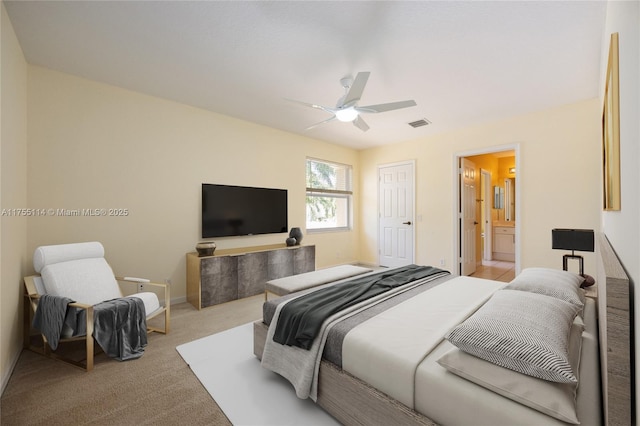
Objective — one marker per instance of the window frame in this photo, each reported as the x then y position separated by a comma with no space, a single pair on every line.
343,194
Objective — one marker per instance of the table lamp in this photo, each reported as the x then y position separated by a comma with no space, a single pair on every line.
574,240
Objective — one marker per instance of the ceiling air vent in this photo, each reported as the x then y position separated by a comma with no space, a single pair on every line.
419,123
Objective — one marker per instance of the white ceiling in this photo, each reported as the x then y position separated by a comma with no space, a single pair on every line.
462,62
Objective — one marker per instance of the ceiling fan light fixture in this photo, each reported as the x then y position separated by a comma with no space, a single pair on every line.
347,109
347,114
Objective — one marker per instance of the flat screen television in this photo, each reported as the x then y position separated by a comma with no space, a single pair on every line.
240,210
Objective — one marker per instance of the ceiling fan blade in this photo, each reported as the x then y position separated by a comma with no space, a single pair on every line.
316,106
313,126
386,107
356,89
360,124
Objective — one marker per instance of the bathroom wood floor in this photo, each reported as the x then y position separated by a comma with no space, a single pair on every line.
497,270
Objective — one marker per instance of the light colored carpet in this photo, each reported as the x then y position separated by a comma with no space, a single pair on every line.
157,389
247,393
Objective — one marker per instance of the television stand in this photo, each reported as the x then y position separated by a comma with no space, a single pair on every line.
232,274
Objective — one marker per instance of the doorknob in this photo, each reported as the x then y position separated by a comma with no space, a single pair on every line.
475,223
406,223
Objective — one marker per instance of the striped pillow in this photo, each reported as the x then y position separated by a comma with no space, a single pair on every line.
525,332
562,285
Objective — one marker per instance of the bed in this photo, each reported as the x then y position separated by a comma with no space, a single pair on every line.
367,383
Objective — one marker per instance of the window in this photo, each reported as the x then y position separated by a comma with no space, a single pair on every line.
329,194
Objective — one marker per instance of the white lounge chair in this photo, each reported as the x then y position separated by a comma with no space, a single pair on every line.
81,273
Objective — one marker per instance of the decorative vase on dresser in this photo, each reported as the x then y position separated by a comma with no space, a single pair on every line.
206,248
297,234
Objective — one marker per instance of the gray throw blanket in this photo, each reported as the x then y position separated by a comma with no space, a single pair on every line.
300,366
300,321
53,314
120,325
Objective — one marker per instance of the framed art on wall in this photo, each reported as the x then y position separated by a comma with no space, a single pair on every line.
611,131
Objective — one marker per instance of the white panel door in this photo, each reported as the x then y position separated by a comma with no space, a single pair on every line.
396,224
468,216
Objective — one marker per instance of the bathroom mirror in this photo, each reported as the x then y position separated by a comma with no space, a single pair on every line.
498,197
510,199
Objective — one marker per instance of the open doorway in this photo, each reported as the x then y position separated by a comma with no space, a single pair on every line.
486,223
487,231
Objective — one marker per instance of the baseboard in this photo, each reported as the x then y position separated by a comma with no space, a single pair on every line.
177,300
6,375
366,265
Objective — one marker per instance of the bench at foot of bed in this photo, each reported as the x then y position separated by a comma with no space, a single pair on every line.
307,280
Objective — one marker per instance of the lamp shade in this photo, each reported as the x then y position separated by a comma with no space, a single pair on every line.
572,239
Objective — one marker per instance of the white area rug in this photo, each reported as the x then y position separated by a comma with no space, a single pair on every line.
247,393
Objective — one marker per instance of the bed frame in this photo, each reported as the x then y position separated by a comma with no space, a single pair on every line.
615,316
353,402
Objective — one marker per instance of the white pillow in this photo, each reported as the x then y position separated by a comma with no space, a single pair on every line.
48,255
522,331
87,281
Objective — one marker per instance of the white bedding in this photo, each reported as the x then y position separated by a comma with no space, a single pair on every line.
450,400
301,366
396,352
385,350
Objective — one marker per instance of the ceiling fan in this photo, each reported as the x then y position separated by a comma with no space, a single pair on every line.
347,109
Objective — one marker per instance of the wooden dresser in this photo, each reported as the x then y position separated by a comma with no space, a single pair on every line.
237,273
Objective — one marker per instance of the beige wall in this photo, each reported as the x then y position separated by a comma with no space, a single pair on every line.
97,146
559,181
13,180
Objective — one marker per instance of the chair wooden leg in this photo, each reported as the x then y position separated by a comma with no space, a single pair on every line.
89,339
26,326
167,314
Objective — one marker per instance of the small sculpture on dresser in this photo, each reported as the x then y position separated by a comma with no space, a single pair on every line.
290,241
205,248
297,234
